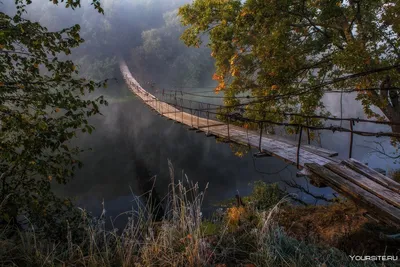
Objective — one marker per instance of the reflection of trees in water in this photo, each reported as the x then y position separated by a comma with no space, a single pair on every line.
145,180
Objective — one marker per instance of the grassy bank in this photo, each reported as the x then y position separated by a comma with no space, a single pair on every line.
249,235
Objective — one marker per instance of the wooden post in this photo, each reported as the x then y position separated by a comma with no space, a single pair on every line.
208,125
191,113
208,118
182,109
176,110
261,125
298,148
198,115
229,136
308,132
351,139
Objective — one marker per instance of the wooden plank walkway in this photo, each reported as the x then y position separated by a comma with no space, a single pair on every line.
283,149
375,192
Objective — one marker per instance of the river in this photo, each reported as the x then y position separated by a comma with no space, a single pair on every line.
131,144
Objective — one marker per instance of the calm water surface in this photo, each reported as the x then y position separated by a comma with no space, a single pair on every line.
131,144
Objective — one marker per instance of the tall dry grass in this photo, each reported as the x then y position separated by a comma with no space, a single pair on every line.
240,236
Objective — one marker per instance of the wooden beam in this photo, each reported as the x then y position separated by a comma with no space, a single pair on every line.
320,151
262,154
372,174
360,196
214,125
366,183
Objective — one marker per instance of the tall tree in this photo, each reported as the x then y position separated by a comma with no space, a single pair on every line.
42,108
285,50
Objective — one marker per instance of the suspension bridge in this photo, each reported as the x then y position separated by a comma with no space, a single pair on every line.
375,192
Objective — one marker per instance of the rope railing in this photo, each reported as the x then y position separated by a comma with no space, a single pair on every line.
287,114
332,128
346,91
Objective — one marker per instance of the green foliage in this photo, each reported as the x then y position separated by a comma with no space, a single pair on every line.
209,228
281,50
265,196
42,108
68,4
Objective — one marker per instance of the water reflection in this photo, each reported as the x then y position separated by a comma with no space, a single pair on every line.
131,144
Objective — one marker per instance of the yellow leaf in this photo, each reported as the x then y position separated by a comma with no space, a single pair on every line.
1,84
57,110
239,154
1,46
217,77
50,178
36,65
274,87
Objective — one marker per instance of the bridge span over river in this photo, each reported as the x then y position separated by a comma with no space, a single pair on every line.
375,192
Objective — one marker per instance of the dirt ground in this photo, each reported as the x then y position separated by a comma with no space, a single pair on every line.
341,225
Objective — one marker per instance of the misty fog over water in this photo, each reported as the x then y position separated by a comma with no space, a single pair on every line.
131,143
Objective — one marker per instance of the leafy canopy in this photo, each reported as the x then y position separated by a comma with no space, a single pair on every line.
278,50
42,107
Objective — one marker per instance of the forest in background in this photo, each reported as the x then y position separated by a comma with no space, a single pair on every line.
145,33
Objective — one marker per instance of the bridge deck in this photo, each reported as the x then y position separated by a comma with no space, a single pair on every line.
375,192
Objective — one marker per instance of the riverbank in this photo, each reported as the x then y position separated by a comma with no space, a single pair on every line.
263,229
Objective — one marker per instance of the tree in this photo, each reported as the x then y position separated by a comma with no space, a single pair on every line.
285,51
42,108
167,59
